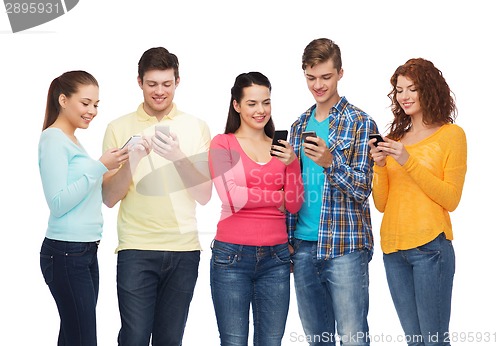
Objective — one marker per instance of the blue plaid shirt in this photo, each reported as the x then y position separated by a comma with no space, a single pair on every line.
345,224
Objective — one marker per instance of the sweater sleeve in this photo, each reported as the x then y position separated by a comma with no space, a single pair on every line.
446,191
228,174
380,187
294,188
60,194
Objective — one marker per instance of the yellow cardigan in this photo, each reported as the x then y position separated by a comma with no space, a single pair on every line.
416,198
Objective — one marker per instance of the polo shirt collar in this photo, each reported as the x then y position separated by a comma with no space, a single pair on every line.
143,116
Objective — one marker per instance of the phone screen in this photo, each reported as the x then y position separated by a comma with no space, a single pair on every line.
279,134
377,136
309,134
165,129
132,141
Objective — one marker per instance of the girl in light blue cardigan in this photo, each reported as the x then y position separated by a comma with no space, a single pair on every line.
71,182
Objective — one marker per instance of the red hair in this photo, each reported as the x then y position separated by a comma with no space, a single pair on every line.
436,98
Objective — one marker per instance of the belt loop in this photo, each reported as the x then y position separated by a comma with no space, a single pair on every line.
240,252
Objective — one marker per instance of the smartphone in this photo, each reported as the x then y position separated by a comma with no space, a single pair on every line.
165,129
309,134
279,134
132,141
378,136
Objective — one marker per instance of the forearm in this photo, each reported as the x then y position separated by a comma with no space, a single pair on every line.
354,183
294,188
446,191
351,170
116,185
71,195
60,197
380,188
196,179
238,197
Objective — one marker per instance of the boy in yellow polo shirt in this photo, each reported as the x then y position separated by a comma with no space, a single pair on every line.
159,188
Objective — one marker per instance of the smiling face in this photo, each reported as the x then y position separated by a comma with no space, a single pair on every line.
408,96
78,110
322,81
254,107
158,88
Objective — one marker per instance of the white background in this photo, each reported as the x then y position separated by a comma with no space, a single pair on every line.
215,41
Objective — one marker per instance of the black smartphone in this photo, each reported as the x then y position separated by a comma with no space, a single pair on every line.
309,134
378,136
279,134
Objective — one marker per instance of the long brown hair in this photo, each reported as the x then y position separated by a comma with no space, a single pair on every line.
243,81
436,98
66,84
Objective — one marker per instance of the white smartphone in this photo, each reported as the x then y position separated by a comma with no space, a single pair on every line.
132,141
165,129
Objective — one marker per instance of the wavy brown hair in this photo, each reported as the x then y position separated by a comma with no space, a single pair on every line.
436,98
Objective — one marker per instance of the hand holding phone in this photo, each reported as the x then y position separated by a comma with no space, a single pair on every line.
165,129
279,134
306,134
378,138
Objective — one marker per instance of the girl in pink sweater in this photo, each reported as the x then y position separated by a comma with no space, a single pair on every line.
250,263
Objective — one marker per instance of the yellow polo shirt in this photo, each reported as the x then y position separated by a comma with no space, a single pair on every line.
158,213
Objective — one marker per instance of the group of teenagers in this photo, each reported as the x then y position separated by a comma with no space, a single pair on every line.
297,207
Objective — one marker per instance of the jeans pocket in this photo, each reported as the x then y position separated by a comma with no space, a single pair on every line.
78,249
223,258
433,247
296,244
47,267
282,255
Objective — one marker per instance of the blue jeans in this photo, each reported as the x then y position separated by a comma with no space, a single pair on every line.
421,281
332,295
241,276
155,289
71,271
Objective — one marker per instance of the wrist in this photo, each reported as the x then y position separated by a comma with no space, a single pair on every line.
181,161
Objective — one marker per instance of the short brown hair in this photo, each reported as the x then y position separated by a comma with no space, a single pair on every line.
319,51
158,58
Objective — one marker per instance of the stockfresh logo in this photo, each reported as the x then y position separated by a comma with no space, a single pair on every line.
28,14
